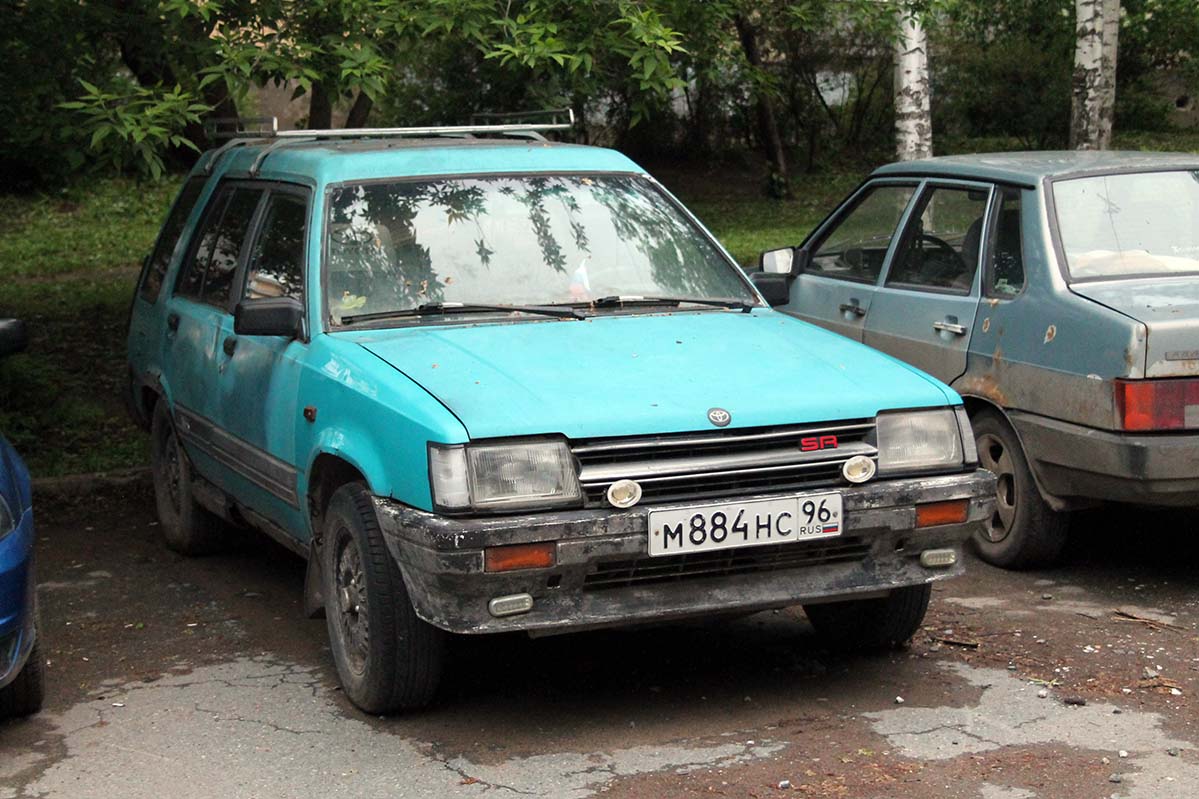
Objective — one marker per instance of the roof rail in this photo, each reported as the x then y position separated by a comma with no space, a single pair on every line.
521,123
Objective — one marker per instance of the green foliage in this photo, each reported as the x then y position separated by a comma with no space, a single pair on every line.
1003,68
70,262
131,126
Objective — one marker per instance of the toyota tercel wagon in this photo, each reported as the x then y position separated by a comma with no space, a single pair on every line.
486,383
1058,293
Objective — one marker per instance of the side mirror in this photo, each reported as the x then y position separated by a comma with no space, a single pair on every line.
269,316
13,337
776,289
788,261
777,262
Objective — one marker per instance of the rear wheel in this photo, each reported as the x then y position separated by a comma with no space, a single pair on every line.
25,694
187,527
388,659
1023,532
882,623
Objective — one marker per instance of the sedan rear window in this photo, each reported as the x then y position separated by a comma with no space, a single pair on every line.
1131,225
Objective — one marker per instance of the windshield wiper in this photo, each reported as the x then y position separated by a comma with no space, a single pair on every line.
617,300
442,308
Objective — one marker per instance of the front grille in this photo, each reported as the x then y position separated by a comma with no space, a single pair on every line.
720,463
775,557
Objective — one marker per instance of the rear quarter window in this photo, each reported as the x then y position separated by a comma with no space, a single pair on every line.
168,238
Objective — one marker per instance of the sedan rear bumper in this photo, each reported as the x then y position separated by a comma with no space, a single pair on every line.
604,577
1081,463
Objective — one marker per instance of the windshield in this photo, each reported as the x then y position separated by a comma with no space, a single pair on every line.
1133,225
515,240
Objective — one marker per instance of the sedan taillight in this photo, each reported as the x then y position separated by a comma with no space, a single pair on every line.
1171,404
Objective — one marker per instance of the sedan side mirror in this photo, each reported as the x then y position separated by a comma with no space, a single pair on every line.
269,316
777,262
788,261
13,337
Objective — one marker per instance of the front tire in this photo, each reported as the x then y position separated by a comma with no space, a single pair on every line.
1023,532
862,624
26,693
387,658
187,527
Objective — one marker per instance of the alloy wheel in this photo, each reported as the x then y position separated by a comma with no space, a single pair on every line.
994,456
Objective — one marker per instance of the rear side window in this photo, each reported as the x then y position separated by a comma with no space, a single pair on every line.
857,245
1006,272
208,277
168,238
277,262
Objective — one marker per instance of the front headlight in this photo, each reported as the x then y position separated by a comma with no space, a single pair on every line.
918,441
528,474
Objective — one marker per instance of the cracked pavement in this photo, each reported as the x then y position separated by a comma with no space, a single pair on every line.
195,678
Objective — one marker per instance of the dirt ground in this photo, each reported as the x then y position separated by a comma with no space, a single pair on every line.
176,677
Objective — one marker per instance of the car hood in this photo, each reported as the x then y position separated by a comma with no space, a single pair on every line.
661,373
1168,307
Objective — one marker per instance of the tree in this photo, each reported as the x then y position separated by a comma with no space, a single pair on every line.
1093,102
913,109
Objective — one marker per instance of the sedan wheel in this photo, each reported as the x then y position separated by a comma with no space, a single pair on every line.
1023,532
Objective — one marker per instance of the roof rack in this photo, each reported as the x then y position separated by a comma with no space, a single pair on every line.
521,123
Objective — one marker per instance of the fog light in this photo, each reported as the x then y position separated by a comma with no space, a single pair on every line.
858,469
938,558
510,605
624,493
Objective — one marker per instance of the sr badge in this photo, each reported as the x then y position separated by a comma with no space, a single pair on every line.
719,417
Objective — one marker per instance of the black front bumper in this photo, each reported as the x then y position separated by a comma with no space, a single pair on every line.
1076,463
603,576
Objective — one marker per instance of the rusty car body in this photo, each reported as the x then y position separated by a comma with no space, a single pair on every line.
1058,292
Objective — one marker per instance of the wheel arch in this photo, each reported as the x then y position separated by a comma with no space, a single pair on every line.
976,404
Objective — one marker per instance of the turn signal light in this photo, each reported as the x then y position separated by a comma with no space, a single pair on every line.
1171,404
931,514
519,556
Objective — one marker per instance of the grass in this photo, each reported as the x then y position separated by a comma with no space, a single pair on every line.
69,260
68,263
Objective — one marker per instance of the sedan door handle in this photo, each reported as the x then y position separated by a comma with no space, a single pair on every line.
950,327
853,308
229,345
172,322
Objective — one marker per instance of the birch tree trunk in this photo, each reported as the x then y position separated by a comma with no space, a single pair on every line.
913,118
1093,103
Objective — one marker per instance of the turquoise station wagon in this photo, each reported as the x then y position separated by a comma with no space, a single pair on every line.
484,382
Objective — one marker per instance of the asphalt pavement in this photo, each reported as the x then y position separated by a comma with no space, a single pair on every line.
201,678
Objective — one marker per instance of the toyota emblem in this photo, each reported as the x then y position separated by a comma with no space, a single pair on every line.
719,417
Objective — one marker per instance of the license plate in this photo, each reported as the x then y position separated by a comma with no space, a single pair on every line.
726,525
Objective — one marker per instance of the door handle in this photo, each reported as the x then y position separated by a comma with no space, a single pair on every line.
853,307
172,322
950,327
229,345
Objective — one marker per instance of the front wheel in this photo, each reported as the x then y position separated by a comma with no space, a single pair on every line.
1023,532
25,694
883,623
388,659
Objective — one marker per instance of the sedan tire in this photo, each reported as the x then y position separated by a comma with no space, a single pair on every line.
1023,532
26,693
388,659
